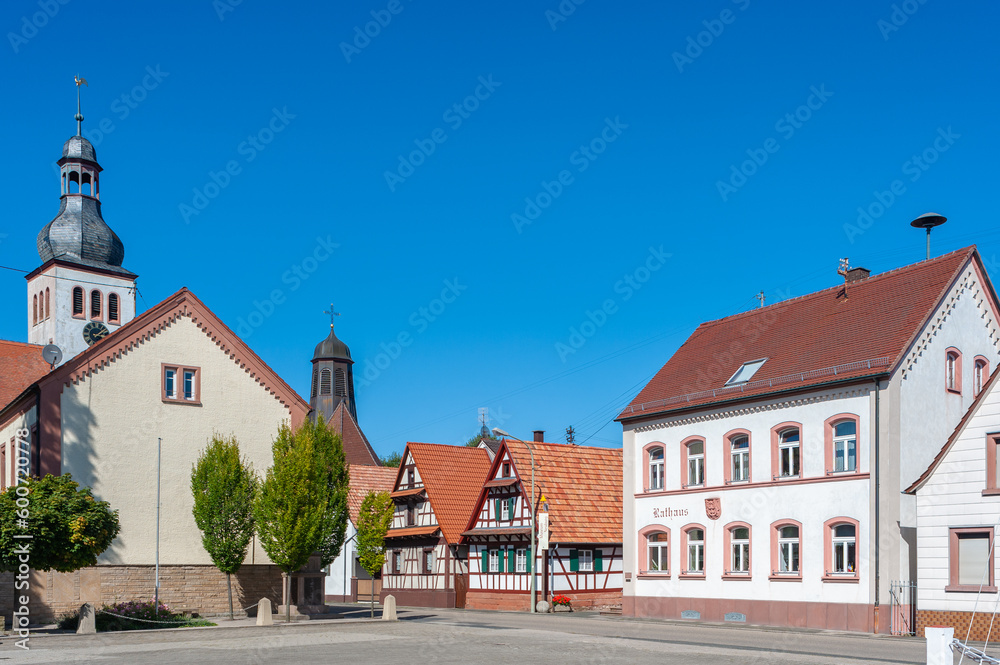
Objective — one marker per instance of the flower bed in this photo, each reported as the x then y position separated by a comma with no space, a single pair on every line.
134,615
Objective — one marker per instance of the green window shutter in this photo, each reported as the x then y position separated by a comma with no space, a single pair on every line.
501,557
486,560
598,562
510,508
574,561
527,559
497,507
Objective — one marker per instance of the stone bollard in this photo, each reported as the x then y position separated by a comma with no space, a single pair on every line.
939,645
264,617
389,608
88,620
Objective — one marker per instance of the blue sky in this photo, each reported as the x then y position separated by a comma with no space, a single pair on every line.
590,172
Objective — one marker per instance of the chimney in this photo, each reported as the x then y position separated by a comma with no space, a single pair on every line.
855,274
539,435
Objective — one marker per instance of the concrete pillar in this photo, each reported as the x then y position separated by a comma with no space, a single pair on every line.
264,617
939,645
88,620
389,608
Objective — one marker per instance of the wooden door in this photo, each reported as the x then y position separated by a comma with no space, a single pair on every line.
461,587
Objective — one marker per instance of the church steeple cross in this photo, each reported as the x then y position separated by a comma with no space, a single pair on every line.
333,313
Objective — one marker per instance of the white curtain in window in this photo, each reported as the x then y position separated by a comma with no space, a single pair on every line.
973,555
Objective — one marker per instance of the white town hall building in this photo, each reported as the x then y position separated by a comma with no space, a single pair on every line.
764,464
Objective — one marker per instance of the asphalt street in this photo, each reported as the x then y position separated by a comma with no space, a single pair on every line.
456,636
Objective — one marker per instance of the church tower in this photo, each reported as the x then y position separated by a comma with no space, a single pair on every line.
332,377
80,293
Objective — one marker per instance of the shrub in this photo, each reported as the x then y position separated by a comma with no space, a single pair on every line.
127,614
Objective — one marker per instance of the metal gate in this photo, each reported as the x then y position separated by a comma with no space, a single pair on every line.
903,608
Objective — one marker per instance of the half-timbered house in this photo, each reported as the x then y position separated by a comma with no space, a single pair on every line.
435,492
579,490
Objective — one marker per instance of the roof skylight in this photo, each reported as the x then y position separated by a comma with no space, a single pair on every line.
746,372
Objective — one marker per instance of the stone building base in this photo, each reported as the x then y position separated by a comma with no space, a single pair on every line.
520,601
829,616
960,622
199,589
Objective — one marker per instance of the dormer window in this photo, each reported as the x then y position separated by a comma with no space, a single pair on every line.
746,372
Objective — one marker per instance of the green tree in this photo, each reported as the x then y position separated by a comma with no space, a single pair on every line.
67,527
393,460
374,519
224,487
475,439
332,472
301,507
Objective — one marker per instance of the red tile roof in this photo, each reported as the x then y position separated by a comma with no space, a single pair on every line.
356,446
850,331
453,477
20,366
583,486
365,479
973,408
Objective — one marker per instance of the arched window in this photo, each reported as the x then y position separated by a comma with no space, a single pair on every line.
953,370
86,186
113,313
738,546
694,452
47,311
739,458
95,304
34,311
656,468
77,301
694,549
74,182
324,382
786,460
315,380
785,550
980,374
658,552
841,536
340,383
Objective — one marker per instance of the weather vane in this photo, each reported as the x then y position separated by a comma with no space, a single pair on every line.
79,116
332,312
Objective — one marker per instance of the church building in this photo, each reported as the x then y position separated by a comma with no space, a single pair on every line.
131,386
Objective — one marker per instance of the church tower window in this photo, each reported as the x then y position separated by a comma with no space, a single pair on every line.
112,307
324,382
77,301
47,311
95,304
34,311
341,383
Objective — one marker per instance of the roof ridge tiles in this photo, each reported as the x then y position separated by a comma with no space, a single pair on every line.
836,287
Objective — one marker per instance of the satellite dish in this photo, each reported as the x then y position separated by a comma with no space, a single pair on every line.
52,354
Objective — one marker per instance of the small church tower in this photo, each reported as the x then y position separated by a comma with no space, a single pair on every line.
332,377
80,293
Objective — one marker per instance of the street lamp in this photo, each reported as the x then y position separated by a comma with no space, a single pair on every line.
534,572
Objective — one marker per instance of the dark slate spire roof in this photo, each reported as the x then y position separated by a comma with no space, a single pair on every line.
79,234
332,348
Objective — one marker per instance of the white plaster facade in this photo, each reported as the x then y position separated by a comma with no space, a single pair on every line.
956,494
111,421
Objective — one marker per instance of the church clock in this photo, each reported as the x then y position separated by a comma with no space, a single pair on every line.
94,332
